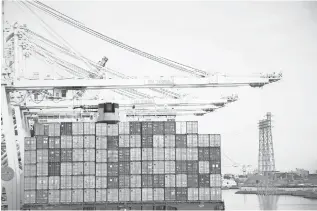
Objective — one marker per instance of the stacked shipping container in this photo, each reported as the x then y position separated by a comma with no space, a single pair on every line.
125,162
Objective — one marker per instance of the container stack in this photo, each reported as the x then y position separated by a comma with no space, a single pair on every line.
71,163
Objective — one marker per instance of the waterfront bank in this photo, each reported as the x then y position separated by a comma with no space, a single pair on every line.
305,194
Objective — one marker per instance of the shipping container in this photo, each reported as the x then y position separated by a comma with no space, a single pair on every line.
101,142
158,167
54,182
77,195
181,180
158,128
101,195
170,153
181,128
217,140
77,182
54,142
113,130
170,128
113,195
66,182
89,155
89,195
66,168
147,180
215,154
41,155
124,154
113,142
170,180
203,140
77,128
30,197
169,167
124,128
147,128
135,154
147,167
193,194
124,181
113,169
66,142
135,167
66,128
215,180
78,142
30,183
147,141
203,154
215,194
124,194
78,168
191,127
181,194
170,194
101,169
215,167
54,169
41,196
54,155
41,183
181,167
158,194
124,168
66,196
147,194
135,194
89,128
181,141
158,180
204,180
89,142
135,128
101,182
147,154
192,140
135,141
41,129
30,157
135,181
78,155
89,168
101,155
41,142
30,170
192,154
66,155
124,141
192,180
101,129
29,144
204,194
181,154
158,154
158,141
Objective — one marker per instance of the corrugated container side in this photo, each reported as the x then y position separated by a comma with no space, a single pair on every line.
78,195
30,183
170,180
89,182
147,141
158,128
203,154
204,180
113,195
124,141
101,182
89,155
41,183
170,128
39,129
181,154
101,155
66,182
192,180
89,142
78,128
135,140
169,167
113,142
147,180
78,168
215,154
158,141
78,155
124,181
54,169
101,169
42,196
181,180
192,127
101,142
41,142
181,167
124,194
113,155
181,194
193,194
181,141
158,167
158,180
203,140
78,142
192,154
89,168
30,157
158,194
66,155
147,194
217,140
124,128
101,195
89,195
135,181
101,129
124,154
113,169
77,182
54,129
147,128
30,170
42,169
147,154
170,194
54,155
66,142
215,194
113,130
192,167
66,196
170,153
66,168
147,167
124,168
89,128
66,128
135,168
135,154
181,128
158,154
29,143
215,167
135,128
215,180
136,194
54,196
192,140
54,142
30,197
204,194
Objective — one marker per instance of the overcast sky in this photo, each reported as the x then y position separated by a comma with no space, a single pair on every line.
227,37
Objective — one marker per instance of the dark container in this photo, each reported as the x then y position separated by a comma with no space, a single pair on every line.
181,167
192,167
54,169
41,142
170,194
54,155
66,155
113,142
124,168
54,142
215,154
147,128
29,143
135,128
124,181
192,180
158,180
204,180
147,180
170,128
113,182
158,128
203,154
124,154
181,194
113,169
215,167
147,141
66,128
181,141
41,196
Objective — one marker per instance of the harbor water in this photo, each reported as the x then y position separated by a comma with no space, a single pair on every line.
254,202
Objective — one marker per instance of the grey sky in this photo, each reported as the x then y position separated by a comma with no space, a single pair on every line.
227,37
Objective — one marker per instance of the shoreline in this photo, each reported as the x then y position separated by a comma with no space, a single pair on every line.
304,194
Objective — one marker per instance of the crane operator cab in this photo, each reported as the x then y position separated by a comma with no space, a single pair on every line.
108,113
